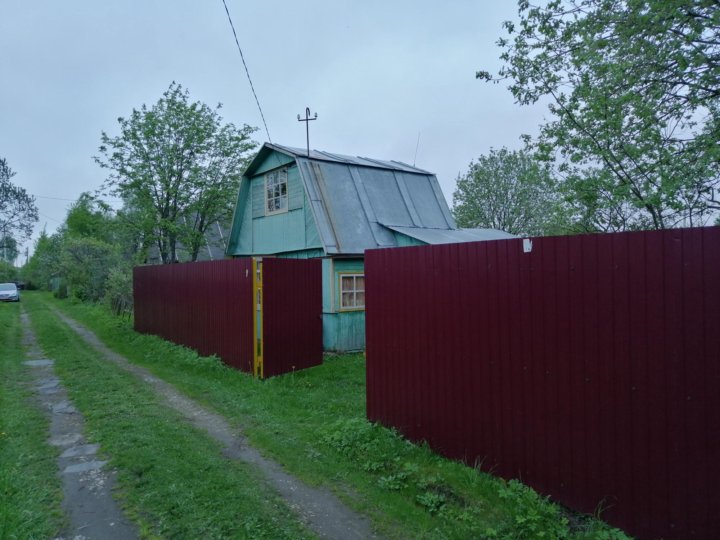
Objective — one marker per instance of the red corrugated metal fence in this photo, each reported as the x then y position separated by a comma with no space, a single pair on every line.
292,307
589,367
208,306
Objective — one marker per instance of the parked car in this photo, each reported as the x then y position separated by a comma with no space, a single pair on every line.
9,292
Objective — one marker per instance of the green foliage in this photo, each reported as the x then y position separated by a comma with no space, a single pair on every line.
178,167
90,218
44,264
91,256
62,290
509,191
634,88
85,264
533,516
8,249
18,213
172,478
119,290
7,272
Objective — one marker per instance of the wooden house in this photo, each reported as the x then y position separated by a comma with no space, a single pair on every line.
335,207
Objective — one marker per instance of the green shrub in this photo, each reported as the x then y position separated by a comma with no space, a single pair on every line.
119,291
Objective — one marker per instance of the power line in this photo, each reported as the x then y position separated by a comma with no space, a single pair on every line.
49,217
247,71
71,200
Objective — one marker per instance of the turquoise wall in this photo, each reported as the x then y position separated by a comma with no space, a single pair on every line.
404,240
293,234
273,161
291,231
307,254
342,330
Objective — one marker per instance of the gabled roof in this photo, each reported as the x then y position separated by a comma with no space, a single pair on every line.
318,155
353,200
359,203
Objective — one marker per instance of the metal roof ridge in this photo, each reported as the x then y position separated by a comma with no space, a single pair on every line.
410,166
324,155
419,227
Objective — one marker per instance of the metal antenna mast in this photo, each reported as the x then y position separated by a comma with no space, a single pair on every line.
307,120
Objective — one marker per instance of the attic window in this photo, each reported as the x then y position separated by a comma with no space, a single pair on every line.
276,199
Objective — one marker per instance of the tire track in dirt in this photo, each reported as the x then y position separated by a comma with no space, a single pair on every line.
87,484
319,509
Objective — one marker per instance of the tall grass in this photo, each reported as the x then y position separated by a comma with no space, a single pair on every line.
313,422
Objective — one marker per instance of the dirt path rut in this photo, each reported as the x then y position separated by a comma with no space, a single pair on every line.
87,483
320,510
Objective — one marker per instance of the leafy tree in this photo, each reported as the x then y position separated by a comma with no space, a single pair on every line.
634,90
8,249
7,272
45,261
18,213
178,165
91,218
85,264
509,191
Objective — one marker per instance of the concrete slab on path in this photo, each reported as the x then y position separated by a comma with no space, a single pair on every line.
86,481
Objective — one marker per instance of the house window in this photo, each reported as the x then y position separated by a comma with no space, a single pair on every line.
352,291
276,199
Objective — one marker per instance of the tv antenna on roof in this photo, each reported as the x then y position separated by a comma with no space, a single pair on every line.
307,121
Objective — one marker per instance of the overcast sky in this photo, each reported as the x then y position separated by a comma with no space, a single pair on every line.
378,73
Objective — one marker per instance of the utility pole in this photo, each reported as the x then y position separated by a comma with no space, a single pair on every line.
307,121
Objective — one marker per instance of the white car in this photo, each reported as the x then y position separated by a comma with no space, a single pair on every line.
9,292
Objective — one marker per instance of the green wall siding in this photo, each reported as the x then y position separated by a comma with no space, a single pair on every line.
307,254
404,240
293,234
327,281
282,233
273,161
344,331
296,193
279,233
244,238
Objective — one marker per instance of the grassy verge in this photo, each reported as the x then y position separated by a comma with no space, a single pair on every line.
30,492
313,422
173,479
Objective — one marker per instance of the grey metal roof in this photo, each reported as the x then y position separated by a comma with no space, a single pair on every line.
452,236
352,201
360,203
319,155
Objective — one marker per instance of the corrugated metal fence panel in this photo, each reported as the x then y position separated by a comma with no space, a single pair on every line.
292,314
206,306
589,368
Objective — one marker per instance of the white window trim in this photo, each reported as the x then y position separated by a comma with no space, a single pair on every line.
341,275
265,191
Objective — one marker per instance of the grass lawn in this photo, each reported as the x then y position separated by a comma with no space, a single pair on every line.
30,492
313,423
174,481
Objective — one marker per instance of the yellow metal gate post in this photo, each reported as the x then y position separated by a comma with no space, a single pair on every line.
257,317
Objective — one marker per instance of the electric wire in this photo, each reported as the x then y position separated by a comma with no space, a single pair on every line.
70,200
247,72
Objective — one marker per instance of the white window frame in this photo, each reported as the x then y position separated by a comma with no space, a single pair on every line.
354,291
273,176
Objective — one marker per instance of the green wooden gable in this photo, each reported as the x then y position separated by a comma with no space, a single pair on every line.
255,232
